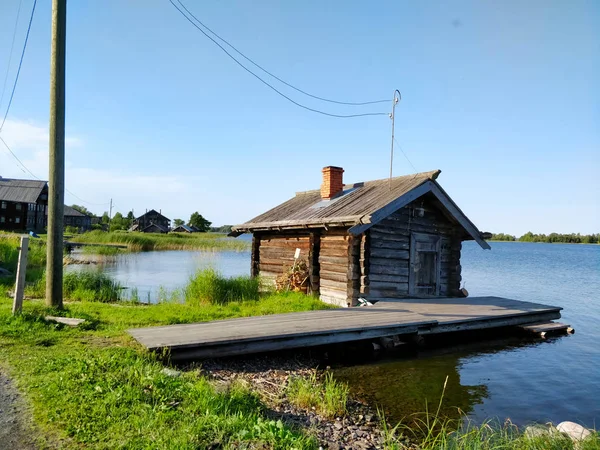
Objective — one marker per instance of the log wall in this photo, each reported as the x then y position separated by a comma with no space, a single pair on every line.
276,253
387,263
334,255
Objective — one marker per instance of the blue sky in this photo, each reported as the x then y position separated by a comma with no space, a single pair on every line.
503,97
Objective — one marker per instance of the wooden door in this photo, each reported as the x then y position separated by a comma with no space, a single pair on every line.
424,273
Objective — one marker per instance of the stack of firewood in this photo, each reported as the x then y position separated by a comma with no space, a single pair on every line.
294,278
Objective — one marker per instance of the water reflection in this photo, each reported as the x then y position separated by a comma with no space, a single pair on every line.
154,275
405,386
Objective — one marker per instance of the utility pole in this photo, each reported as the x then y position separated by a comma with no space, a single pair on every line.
395,101
56,179
110,214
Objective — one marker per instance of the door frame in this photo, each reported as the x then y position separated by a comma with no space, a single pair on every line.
428,238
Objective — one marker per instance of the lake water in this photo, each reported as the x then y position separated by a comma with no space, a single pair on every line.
524,380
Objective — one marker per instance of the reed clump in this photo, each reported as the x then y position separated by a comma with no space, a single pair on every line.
90,286
137,241
208,286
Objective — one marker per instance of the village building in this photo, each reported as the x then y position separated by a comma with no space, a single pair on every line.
391,238
151,222
185,229
74,218
22,204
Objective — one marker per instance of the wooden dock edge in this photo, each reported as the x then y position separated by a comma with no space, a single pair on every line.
288,342
222,349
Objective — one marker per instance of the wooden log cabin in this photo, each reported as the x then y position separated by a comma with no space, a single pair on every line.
391,238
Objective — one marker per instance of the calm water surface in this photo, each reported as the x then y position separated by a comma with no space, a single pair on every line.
553,380
526,381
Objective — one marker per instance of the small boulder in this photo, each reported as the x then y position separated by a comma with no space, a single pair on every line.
533,431
575,431
171,372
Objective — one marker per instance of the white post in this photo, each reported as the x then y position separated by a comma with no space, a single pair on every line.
21,269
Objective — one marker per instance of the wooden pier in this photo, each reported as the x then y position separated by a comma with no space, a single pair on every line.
304,329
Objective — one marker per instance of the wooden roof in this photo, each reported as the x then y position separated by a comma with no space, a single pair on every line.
153,212
68,211
21,191
360,206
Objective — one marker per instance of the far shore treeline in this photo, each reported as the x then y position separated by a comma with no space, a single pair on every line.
552,238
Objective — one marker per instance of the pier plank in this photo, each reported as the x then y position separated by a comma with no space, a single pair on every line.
387,317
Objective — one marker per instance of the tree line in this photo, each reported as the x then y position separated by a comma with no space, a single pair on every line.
124,222
570,238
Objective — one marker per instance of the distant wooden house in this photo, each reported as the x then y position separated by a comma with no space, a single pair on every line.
151,222
185,229
22,204
74,218
387,238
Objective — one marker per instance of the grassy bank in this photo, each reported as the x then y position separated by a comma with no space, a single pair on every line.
171,241
95,388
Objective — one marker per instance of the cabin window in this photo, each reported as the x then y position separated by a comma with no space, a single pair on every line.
17,220
18,206
2,219
3,205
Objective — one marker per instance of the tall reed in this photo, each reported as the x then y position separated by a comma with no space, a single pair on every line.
208,286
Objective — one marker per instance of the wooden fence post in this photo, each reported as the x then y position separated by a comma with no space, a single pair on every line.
21,269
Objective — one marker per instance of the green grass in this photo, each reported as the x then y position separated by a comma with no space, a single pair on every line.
103,250
208,286
326,395
91,286
95,388
136,241
9,252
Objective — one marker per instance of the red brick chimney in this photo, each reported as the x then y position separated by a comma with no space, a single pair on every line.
333,182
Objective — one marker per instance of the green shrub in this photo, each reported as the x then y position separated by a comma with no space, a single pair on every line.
209,286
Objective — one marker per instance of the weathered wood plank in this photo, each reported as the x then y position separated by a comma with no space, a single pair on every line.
377,277
334,276
406,315
389,253
341,260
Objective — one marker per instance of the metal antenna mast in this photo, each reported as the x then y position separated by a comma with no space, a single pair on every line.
397,98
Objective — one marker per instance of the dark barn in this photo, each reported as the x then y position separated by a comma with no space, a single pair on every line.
151,222
391,238
23,204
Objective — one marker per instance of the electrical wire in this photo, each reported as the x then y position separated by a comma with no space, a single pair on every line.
405,155
24,168
12,46
343,116
20,64
271,74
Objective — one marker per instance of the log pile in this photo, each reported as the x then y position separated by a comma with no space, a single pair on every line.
294,278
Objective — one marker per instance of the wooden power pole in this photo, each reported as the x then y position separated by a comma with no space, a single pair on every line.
56,197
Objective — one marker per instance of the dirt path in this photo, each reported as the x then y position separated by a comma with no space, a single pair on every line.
15,432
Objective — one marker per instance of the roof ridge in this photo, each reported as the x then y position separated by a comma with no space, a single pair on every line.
431,174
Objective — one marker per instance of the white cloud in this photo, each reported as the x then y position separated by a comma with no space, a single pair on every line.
29,141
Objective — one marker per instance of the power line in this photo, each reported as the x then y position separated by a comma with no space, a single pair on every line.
17,158
24,168
271,74
269,85
405,155
12,45
20,64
